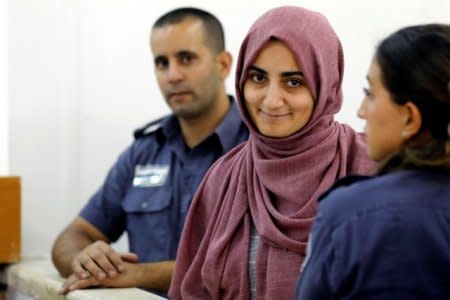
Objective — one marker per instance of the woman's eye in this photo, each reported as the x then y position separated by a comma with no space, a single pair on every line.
367,92
294,83
257,78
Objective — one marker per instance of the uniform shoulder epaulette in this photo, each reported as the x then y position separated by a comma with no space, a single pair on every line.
148,128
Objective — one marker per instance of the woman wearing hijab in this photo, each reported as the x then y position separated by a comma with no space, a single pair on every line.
247,229
392,239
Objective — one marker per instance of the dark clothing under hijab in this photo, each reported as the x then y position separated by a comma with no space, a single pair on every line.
272,182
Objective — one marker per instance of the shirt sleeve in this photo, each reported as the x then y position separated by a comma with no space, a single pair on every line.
104,209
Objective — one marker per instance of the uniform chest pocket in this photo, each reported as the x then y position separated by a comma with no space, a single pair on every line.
146,200
149,218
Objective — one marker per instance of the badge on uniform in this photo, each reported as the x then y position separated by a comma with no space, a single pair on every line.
150,175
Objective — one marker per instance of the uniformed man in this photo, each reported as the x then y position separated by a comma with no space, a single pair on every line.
148,190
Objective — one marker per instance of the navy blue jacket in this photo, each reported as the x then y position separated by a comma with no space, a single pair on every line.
386,237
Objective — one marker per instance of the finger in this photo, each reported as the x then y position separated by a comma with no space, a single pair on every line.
83,283
92,261
79,270
66,285
104,263
129,257
91,266
110,262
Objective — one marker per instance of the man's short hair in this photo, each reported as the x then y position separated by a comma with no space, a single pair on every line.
213,30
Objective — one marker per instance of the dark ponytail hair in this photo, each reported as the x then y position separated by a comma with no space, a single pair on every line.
415,67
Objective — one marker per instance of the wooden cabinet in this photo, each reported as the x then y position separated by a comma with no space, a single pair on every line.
9,219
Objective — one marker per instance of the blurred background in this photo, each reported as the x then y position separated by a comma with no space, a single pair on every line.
76,77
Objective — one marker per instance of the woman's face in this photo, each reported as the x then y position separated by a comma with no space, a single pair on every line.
384,118
275,92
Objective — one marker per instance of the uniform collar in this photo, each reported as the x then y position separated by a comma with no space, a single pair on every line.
170,127
229,128
227,131
344,181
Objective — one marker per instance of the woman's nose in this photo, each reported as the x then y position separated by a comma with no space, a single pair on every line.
274,97
361,112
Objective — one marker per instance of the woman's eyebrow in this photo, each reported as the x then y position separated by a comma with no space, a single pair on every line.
283,74
292,73
257,69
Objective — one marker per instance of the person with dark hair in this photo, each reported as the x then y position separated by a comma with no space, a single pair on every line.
148,190
246,231
387,236
213,34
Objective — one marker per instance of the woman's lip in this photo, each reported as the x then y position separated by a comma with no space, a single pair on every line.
271,115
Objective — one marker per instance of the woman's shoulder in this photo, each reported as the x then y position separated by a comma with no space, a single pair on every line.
344,197
357,196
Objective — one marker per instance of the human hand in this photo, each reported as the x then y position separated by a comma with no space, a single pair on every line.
100,261
128,278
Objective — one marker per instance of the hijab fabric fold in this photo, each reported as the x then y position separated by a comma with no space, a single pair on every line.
273,183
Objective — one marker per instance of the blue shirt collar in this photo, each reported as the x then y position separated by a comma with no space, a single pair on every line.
229,128
226,131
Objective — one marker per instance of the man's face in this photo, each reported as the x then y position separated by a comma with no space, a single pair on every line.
187,70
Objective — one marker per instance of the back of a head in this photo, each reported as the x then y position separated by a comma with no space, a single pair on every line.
213,30
415,67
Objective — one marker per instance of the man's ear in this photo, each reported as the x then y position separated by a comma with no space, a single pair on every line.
224,59
413,119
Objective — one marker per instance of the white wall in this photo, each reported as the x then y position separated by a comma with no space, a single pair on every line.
81,79
4,167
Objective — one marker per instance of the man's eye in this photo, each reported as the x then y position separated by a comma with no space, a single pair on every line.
186,59
161,63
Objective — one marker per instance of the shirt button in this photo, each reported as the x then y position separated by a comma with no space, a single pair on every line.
144,205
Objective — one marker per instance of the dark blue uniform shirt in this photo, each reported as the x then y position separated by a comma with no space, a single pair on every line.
148,190
385,237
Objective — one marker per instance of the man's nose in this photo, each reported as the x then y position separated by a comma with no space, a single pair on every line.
175,73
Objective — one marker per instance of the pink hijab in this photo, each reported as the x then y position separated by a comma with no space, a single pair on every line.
273,183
